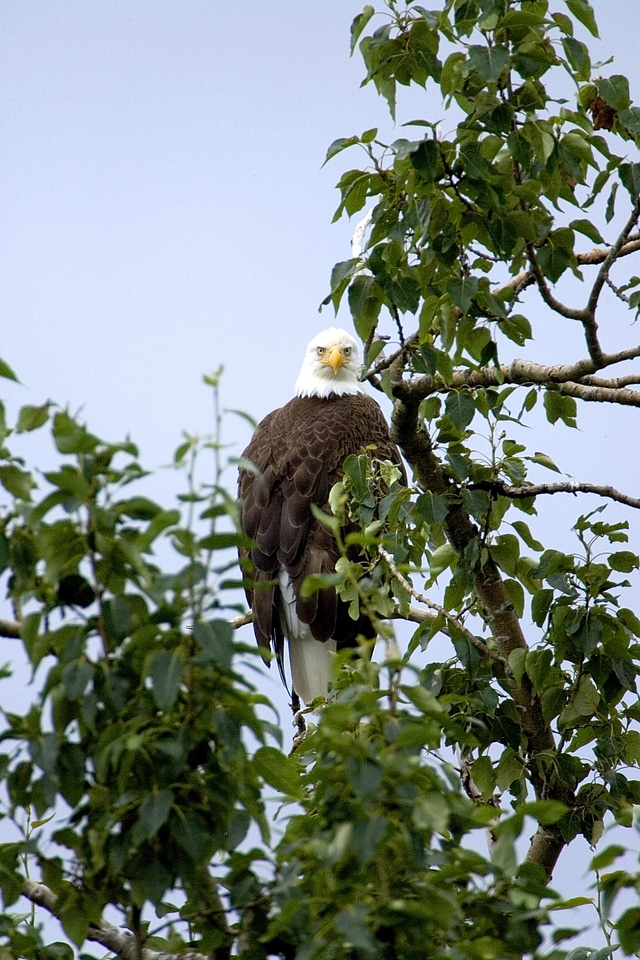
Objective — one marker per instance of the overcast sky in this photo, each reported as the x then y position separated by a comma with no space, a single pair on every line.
163,209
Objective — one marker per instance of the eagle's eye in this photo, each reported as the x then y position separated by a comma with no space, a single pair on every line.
320,351
346,351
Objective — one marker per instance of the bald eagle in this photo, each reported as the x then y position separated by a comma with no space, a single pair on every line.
296,456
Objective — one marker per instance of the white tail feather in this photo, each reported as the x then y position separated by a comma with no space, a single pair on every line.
310,659
311,666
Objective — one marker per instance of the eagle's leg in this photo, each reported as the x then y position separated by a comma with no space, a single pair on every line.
298,722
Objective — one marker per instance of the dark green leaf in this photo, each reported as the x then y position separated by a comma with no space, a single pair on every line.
583,11
489,61
166,670
215,639
154,811
6,371
630,176
460,407
462,291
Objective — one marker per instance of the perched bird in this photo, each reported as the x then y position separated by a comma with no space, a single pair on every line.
296,456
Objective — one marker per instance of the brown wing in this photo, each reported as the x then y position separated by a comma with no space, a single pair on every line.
298,452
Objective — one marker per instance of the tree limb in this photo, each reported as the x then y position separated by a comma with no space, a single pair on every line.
10,628
495,605
120,942
565,486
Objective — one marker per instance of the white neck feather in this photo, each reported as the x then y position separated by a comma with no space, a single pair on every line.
320,378
314,385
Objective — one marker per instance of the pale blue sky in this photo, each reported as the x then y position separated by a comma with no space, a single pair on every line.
163,209
163,206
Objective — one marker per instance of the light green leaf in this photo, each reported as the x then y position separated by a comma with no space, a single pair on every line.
544,460
279,771
359,23
30,418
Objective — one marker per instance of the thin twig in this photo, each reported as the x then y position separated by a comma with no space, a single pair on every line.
449,617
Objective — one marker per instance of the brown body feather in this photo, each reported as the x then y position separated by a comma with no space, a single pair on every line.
299,451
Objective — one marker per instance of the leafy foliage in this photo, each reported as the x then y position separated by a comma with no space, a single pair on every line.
427,808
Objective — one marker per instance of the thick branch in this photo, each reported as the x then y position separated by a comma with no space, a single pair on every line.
571,379
496,606
120,942
10,628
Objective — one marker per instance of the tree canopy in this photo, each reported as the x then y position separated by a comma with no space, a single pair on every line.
155,805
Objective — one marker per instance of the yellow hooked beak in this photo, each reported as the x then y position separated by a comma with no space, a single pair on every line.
335,358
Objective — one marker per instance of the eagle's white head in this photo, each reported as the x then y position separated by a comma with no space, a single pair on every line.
331,365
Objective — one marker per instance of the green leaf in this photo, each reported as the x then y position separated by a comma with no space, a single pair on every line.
489,61
359,23
615,91
220,541
559,407
588,229
586,698
165,670
583,11
433,507
624,561
630,177
630,120
544,460
460,407
342,143
517,328
526,535
215,639
18,483
483,775
76,677
279,771
546,812
6,371
154,811
462,291
628,928
555,257
441,558
70,436
30,418
607,857
577,54
540,605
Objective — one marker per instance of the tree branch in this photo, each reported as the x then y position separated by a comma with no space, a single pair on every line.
566,486
10,628
120,942
570,379
449,617
611,257
495,605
